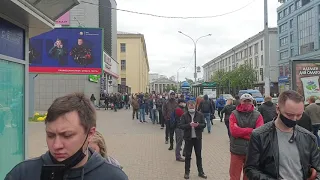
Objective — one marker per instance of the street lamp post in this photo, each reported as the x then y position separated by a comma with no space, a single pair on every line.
195,51
178,84
266,50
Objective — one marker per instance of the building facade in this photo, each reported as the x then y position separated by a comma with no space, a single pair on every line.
153,77
251,52
298,33
93,14
162,85
14,70
133,62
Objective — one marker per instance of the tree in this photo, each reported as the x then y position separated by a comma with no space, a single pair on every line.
170,87
242,77
190,81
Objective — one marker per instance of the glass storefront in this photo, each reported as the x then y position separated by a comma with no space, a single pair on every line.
11,115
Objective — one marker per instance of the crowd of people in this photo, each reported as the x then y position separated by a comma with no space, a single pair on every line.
272,141
186,119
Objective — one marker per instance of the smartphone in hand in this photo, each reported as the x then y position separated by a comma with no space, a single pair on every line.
52,172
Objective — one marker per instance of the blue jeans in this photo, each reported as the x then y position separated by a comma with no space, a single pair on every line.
142,114
207,118
315,132
154,116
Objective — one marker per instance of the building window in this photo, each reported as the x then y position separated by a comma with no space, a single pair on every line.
291,37
298,4
123,81
123,64
122,47
283,55
261,45
256,61
284,41
261,60
280,15
251,63
305,32
304,2
246,53
283,28
291,52
256,48
292,8
291,23
250,51
286,11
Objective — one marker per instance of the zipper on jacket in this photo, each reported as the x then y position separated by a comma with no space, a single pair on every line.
276,161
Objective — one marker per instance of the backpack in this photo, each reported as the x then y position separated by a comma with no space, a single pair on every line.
206,107
221,101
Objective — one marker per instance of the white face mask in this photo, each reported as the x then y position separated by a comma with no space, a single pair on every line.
192,110
160,96
183,104
167,97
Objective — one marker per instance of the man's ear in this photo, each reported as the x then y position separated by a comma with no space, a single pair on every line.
91,133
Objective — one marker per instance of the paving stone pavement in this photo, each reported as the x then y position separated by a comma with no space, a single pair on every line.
141,150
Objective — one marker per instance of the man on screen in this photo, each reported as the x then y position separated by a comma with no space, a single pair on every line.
81,53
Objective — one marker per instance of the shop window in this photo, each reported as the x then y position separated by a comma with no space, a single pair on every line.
11,115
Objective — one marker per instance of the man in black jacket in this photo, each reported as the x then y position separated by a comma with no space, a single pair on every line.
268,110
282,150
192,122
70,124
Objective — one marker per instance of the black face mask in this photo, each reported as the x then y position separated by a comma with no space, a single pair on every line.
288,122
73,160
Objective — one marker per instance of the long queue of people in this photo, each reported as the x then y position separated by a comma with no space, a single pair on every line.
272,141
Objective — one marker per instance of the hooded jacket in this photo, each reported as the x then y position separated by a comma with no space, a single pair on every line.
96,168
268,111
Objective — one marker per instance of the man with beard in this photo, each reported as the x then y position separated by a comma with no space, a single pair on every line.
81,54
70,125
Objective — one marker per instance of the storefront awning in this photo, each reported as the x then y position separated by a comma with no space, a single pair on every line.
38,15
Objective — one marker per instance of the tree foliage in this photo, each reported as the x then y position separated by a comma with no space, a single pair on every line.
170,87
242,77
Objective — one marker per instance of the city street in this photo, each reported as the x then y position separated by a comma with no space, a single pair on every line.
141,150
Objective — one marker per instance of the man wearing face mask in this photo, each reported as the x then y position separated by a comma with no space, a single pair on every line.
282,150
242,121
193,123
70,126
168,107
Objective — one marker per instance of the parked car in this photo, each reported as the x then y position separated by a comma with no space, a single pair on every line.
228,96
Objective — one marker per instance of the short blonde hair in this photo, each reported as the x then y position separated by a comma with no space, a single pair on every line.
99,140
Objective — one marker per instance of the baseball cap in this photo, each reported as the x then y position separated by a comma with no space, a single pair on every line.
172,92
246,97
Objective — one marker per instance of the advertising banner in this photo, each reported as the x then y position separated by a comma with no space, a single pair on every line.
64,19
305,78
11,40
67,51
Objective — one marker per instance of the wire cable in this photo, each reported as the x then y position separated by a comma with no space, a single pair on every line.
174,17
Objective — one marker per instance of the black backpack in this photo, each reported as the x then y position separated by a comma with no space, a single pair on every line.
206,106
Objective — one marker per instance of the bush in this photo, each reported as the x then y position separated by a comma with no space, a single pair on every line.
37,117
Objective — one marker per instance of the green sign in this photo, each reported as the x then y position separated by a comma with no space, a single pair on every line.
94,78
208,84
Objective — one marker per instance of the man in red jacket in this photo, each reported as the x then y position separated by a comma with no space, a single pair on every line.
242,121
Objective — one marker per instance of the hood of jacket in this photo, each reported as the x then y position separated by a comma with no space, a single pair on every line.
93,162
241,109
268,103
205,97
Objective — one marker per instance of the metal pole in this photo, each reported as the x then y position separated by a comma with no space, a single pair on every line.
195,63
266,50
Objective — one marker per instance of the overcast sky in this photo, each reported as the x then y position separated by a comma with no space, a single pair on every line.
168,50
